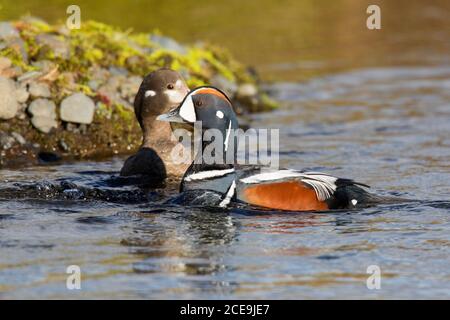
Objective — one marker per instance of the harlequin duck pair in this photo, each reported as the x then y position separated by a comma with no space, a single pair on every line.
160,91
221,184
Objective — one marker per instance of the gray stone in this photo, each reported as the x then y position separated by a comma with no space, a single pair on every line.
6,141
97,73
111,91
43,113
8,103
7,30
168,44
39,90
45,66
22,93
18,137
130,87
77,108
11,39
94,84
30,75
247,90
98,76
57,45
118,71
227,86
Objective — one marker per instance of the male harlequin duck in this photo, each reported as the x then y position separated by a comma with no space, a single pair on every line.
159,92
219,184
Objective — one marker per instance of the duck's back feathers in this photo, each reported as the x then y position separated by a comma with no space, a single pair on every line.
145,162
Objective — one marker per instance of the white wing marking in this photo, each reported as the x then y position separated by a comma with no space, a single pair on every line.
229,195
208,174
228,136
323,184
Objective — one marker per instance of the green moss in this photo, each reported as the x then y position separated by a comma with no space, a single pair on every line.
268,103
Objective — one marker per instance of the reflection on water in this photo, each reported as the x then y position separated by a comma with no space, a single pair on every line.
387,127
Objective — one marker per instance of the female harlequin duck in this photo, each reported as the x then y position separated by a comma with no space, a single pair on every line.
159,92
219,184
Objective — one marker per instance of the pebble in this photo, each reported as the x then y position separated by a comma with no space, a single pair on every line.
247,90
39,90
29,75
59,47
8,103
22,93
18,137
130,87
43,113
7,30
77,108
6,141
168,44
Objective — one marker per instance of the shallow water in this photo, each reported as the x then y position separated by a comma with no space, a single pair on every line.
387,127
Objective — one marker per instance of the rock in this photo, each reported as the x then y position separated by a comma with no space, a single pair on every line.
118,71
7,30
45,66
6,141
22,93
98,76
246,90
58,46
77,108
229,87
5,63
168,44
29,76
39,89
11,39
69,79
94,84
18,137
97,73
8,103
8,73
43,113
63,145
109,92
130,87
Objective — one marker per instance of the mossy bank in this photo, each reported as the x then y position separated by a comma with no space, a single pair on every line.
68,94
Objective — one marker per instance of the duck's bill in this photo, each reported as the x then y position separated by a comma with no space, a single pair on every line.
171,116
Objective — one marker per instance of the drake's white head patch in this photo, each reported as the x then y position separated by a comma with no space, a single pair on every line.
187,111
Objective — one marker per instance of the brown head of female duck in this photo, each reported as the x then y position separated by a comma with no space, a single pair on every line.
159,92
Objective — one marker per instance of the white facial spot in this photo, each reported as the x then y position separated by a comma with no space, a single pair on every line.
149,93
176,96
187,111
219,114
354,202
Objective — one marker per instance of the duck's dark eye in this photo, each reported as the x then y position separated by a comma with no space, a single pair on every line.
170,86
198,103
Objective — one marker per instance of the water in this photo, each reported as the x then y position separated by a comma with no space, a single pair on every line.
369,105
387,127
